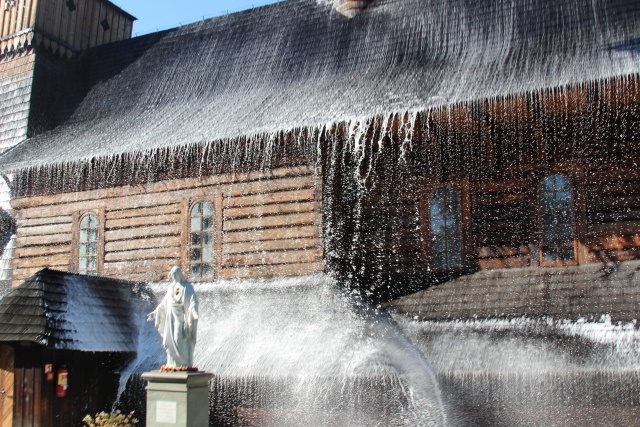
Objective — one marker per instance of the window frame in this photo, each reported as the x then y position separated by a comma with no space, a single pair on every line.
99,214
466,246
575,216
188,205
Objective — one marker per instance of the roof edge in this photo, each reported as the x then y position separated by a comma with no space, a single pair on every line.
119,9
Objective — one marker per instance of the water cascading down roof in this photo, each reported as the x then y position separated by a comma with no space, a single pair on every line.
300,64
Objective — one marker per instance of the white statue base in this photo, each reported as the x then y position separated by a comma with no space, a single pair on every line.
177,399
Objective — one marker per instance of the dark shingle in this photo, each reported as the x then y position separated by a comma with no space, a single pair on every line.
74,312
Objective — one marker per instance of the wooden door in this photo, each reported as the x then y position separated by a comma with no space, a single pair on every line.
6,385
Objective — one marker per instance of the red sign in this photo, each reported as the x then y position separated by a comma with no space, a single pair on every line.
62,382
48,372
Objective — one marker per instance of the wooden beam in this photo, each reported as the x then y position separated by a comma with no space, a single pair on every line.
168,209
172,241
309,218
142,221
43,230
144,232
271,234
144,254
273,258
271,245
162,187
31,222
272,271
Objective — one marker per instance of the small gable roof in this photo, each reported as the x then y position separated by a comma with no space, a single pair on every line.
74,312
299,64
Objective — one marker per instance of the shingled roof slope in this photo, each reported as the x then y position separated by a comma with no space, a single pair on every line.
299,63
74,312
579,292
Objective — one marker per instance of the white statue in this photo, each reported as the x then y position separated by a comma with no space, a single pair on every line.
176,318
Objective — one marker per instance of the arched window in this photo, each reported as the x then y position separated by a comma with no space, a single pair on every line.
201,255
88,245
556,220
446,235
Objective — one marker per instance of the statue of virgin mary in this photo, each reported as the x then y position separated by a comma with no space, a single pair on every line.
176,318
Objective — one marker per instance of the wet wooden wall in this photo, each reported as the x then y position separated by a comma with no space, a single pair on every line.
496,153
266,224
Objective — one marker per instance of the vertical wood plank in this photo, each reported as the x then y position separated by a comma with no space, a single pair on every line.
87,14
100,32
4,19
71,28
75,236
7,384
18,400
217,227
101,253
92,24
184,238
28,397
121,27
76,42
37,395
115,26
56,22
108,34
128,29
20,18
26,17
13,19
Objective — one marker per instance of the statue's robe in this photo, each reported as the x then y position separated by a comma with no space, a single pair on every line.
176,318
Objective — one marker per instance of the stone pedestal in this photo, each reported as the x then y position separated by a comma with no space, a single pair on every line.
177,399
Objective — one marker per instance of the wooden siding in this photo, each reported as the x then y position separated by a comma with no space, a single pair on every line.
269,224
16,16
504,149
82,28
6,383
16,75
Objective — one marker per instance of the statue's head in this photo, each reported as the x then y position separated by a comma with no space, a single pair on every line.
176,275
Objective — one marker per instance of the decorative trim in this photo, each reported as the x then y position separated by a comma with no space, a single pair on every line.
28,39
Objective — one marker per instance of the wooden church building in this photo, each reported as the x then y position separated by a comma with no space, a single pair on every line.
392,143
448,158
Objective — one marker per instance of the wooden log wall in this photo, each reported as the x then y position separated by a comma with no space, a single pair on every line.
267,224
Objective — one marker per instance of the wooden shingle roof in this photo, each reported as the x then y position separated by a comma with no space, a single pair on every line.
580,292
299,64
74,312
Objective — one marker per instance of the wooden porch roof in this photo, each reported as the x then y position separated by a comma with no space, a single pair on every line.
74,312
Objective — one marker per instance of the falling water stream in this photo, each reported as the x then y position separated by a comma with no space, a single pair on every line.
292,352
414,89
299,352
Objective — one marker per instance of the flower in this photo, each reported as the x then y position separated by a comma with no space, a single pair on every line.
114,419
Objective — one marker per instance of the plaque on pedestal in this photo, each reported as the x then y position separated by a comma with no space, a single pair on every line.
177,399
